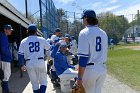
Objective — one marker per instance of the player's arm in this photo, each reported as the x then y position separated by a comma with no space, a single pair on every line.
5,48
47,46
21,55
83,53
70,66
55,49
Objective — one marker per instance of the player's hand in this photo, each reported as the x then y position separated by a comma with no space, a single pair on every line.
23,68
57,44
76,68
79,82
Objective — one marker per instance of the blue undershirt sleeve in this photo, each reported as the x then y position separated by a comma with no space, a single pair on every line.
54,51
83,61
70,66
21,59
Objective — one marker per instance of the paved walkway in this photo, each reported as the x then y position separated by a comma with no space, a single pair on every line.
22,85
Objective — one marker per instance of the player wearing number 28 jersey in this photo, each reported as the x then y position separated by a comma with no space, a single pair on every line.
32,51
92,52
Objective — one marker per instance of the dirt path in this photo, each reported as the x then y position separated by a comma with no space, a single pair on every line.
112,85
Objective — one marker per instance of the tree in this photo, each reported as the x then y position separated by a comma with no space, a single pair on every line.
34,19
115,26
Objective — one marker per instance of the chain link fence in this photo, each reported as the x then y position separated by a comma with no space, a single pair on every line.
48,17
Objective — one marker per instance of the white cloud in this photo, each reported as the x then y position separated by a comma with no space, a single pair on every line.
65,1
106,9
128,11
97,4
113,1
112,8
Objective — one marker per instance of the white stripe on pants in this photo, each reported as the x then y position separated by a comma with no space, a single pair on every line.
94,78
6,67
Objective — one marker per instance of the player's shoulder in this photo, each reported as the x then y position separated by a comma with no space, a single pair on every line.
41,38
53,36
24,40
84,31
103,31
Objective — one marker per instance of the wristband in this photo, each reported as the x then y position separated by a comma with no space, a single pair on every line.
79,78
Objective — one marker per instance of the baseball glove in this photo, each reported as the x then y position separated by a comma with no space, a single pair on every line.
78,89
1,74
50,62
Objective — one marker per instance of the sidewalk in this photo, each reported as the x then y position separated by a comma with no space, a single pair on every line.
22,85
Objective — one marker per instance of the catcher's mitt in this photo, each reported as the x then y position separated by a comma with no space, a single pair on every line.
1,74
78,89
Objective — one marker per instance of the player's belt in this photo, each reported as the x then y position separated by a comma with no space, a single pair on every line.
38,59
89,64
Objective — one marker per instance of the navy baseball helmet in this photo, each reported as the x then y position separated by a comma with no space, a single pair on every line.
88,14
8,27
57,30
32,27
72,37
67,36
50,35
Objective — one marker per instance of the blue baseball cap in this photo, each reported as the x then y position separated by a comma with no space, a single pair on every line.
72,37
63,45
8,27
57,30
67,36
32,27
89,14
50,35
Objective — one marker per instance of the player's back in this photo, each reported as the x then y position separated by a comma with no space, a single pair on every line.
33,47
97,40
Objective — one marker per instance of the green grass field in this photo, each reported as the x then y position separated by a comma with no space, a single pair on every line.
124,64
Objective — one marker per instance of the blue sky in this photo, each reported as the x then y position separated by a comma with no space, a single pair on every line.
118,7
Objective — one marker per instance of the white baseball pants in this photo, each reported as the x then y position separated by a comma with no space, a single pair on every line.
37,72
6,67
68,74
94,78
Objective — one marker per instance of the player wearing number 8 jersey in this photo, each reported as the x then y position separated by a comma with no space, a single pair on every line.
92,52
32,50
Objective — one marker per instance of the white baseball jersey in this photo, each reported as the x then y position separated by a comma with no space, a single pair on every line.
93,43
33,47
54,38
73,48
49,40
62,42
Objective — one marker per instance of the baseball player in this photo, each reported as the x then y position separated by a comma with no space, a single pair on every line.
32,50
92,52
55,38
15,54
57,34
6,57
111,44
73,46
63,69
48,54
